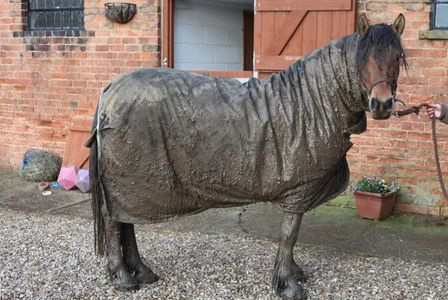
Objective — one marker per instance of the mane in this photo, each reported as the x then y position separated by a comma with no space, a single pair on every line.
383,43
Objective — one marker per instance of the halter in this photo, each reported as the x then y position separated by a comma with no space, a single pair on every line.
392,83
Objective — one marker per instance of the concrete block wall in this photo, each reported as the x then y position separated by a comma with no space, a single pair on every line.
46,79
208,36
401,149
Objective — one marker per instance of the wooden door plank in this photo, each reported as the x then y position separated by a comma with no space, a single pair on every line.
76,154
339,24
290,5
295,47
351,18
324,21
310,33
230,74
268,29
286,31
81,161
274,63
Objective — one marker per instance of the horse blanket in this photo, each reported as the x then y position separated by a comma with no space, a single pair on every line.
172,142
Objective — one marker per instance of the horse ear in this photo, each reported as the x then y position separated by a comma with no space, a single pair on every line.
399,24
363,24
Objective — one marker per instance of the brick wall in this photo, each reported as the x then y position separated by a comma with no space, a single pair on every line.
402,150
46,80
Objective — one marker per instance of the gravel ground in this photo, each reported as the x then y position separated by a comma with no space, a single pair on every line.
51,257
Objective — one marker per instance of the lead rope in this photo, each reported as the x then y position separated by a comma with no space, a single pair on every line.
436,155
416,110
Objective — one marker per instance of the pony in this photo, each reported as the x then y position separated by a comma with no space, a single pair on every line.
167,143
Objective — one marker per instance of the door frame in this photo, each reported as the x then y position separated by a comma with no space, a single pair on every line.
167,40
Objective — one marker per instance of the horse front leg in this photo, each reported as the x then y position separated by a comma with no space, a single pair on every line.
298,273
286,271
118,273
132,258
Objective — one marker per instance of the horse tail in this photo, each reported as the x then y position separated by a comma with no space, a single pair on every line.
97,199
97,189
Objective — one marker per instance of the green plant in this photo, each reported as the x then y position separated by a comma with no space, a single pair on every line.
374,185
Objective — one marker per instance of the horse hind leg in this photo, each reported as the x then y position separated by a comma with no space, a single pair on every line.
286,272
132,259
119,275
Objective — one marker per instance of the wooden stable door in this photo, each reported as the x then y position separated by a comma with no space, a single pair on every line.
286,30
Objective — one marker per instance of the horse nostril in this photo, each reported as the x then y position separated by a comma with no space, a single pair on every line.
389,103
374,104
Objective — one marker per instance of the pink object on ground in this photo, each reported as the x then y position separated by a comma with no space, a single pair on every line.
67,177
83,180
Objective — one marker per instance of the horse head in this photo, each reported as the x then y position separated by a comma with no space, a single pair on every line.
379,57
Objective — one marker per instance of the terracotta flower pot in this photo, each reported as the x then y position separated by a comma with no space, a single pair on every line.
374,206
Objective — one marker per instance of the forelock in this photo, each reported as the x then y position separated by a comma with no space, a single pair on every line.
382,42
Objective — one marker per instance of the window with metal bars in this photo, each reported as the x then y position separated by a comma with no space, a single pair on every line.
439,14
55,14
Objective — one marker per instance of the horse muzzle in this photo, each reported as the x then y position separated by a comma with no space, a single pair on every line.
381,110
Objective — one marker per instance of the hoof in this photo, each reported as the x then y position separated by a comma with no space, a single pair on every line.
145,275
292,291
125,282
298,273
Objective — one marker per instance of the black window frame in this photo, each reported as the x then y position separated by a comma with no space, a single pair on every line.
64,8
434,5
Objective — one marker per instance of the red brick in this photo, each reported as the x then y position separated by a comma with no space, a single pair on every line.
414,6
102,48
